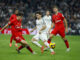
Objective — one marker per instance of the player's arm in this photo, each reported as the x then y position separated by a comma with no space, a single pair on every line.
43,28
33,29
52,25
4,27
66,25
9,23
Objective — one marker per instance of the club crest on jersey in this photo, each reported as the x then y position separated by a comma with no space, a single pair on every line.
57,21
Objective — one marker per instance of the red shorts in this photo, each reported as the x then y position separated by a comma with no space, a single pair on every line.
18,37
61,32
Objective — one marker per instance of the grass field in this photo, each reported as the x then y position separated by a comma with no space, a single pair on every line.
7,53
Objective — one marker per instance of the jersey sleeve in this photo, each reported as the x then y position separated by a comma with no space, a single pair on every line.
11,17
62,16
11,22
53,20
44,23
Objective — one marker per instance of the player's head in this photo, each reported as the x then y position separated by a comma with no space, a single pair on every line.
47,12
16,11
55,9
19,16
38,14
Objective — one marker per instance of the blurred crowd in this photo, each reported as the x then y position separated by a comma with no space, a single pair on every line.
70,9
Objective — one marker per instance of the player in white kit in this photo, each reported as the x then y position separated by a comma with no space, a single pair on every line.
47,19
41,33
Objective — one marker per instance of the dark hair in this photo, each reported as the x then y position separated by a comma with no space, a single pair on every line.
55,6
38,12
15,9
48,10
20,14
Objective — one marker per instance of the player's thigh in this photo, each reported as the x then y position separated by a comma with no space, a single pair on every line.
54,31
18,38
23,42
62,33
35,38
43,37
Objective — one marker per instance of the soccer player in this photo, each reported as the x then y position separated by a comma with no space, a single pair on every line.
13,16
41,33
17,33
61,26
47,18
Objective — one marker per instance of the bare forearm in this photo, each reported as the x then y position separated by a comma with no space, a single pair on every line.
4,27
52,25
66,25
33,29
44,27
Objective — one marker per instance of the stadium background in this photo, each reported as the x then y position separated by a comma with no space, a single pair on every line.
70,9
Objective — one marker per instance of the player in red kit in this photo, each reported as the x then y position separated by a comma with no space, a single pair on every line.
13,16
60,24
17,36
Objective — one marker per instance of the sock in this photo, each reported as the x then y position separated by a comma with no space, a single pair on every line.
51,50
20,47
67,44
35,42
29,48
49,40
47,44
11,39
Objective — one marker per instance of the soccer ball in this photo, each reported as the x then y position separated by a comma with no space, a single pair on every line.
52,45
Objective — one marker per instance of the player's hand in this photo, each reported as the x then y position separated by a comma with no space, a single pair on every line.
31,31
0,31
39,32
49,32
10,44
16,45
66,30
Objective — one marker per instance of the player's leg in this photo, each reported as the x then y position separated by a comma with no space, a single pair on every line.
16,44
43,37
50,37
62,34
53,33
25,44
11,41
35,40
66,43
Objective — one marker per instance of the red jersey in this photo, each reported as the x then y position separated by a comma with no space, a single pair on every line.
59,24
17,30
16,26
12,17
58,19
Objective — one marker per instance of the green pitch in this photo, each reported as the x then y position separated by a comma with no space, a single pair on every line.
9,53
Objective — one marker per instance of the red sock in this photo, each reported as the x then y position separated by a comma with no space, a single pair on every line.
67,44
11,39
49,40
20,47
29,48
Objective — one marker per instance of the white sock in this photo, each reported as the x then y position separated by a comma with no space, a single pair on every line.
35,42
47,44
51,50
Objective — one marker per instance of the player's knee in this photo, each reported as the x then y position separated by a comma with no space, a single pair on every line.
33,39
51,36
64,38
23,42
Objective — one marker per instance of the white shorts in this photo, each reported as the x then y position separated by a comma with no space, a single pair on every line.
42,36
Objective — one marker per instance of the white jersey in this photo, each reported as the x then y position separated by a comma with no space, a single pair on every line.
39,24
47,20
